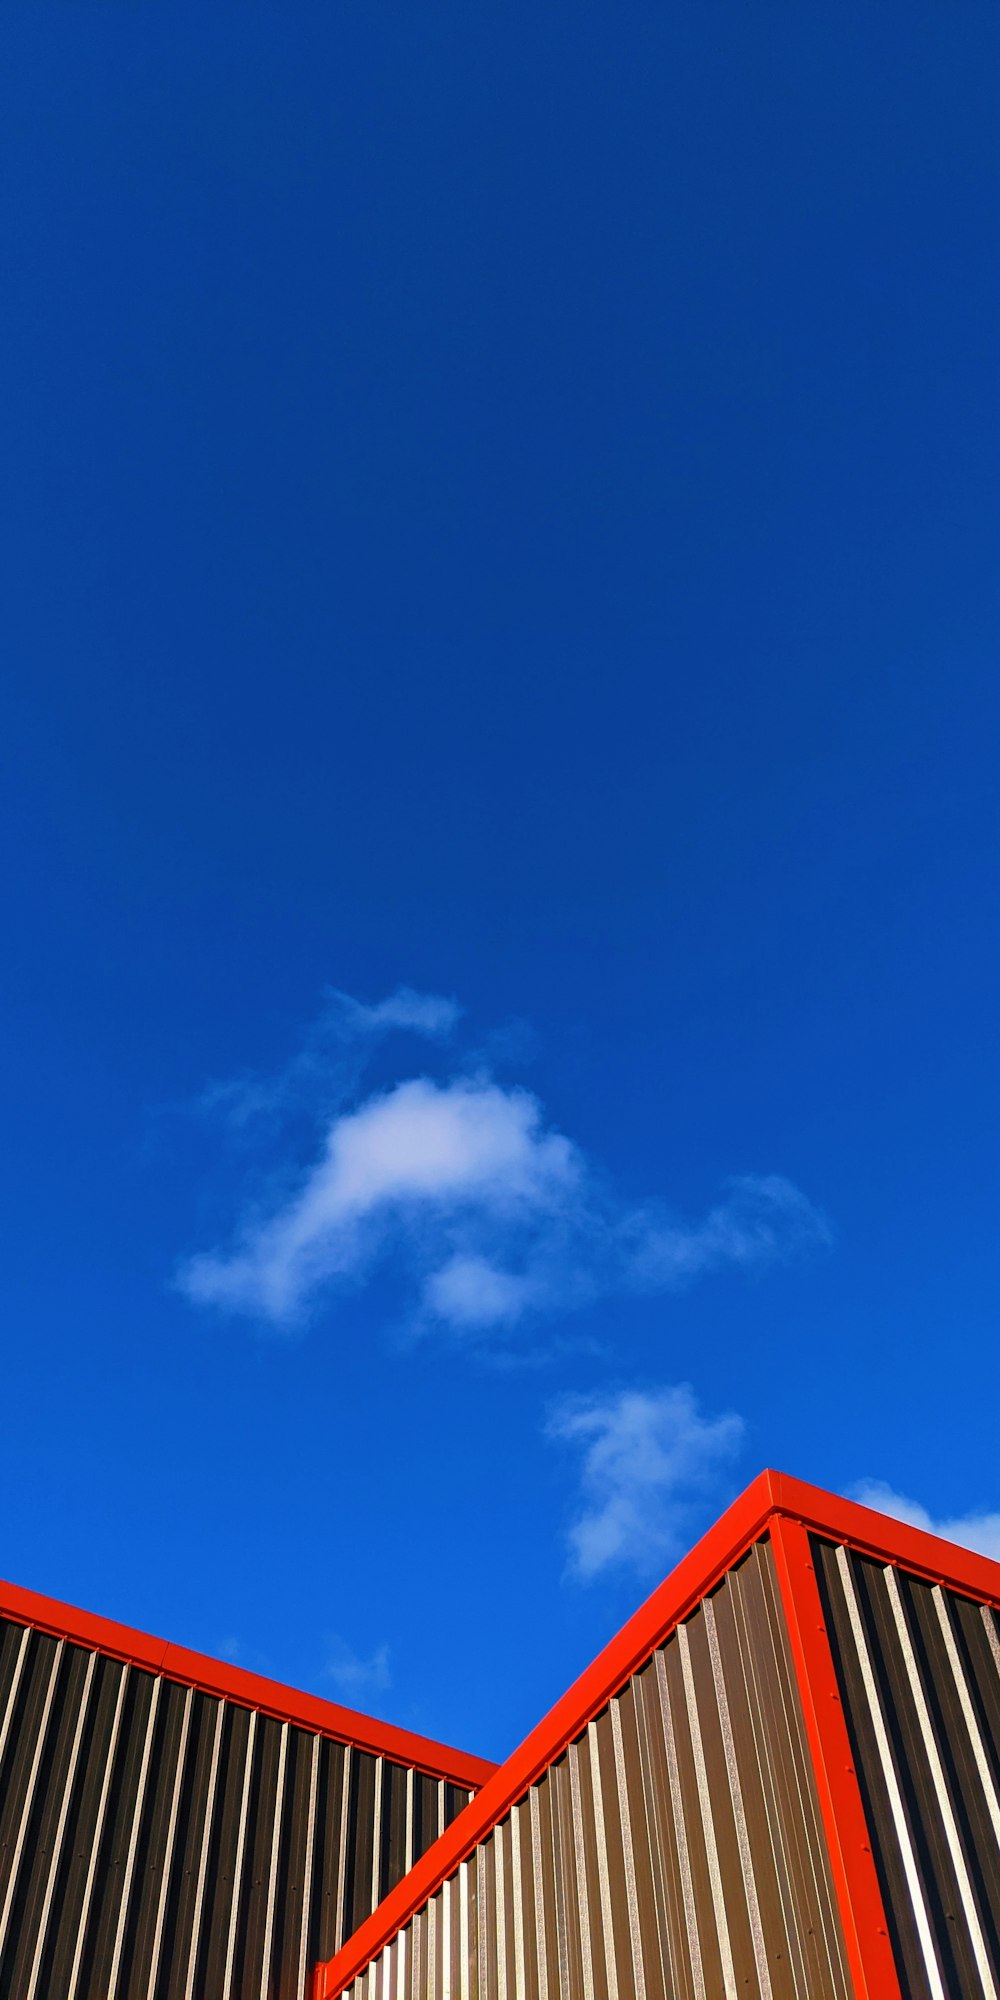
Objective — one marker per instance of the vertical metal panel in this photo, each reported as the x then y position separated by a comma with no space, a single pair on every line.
674,1852
920,1684
158,1843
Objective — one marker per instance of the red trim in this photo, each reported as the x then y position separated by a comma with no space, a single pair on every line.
217,1677
771,1496
889,1540
852,1864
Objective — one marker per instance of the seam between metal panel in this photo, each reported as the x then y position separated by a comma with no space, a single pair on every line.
97,1836
15,1683
669,1968
736,1797
377,1832
133,1838
463,1930
680,1828
501,1915
446,1967
517,1890
307,1872
408,1850
968,1712
168,1853
603,1869
29,1795
707,1821
628,1851
340,1914
891,1781
272,1879
991,1634
206,1834
940,1786
60,1833
241,1840
539,1878
584,1890
481,1923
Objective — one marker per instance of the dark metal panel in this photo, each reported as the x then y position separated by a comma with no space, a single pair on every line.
921,1689
361,1823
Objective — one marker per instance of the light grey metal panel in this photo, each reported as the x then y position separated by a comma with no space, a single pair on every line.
919,1672
673,1852
157,1843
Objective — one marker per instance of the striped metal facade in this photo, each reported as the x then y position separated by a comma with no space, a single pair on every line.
919,1671
160,1843
674,1851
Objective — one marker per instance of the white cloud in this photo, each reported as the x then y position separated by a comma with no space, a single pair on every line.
354,1676
646,1454
973,1531
490,1215
437,1156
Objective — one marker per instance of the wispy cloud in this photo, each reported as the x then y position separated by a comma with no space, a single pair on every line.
979,1531
331,1057
353,1675
491,1213
645,1457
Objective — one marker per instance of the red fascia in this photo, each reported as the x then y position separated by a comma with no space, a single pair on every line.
770,1495
228,1683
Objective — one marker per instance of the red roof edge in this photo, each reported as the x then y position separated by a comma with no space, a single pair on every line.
770,1494
217,1677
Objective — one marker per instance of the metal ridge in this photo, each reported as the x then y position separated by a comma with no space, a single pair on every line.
250,1690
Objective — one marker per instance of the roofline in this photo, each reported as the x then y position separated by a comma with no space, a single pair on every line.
230,1683
769,1496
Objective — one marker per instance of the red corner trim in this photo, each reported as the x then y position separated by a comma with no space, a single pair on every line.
772,1496
878,1535
852,1864
217,1677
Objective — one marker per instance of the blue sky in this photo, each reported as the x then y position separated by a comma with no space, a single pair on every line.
499,736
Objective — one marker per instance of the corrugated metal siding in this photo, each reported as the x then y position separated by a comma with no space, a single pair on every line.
159,1844
674,1852
919,1672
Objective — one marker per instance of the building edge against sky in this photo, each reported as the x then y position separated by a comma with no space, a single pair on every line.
781,1779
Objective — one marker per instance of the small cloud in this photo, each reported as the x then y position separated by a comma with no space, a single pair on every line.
646,1454
763,1219
429,1014
973,1531
333,1052
491,1215
354,1676
469,1291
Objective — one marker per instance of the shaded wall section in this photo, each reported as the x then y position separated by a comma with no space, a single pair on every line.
160,1843
673,1852
919,1671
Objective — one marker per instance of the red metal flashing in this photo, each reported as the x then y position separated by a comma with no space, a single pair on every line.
852,1863
216,1677
772,1497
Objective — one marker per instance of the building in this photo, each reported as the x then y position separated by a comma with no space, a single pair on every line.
780,1781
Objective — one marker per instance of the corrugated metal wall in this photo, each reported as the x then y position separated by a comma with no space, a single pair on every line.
919,1671
673,1853
159,1844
